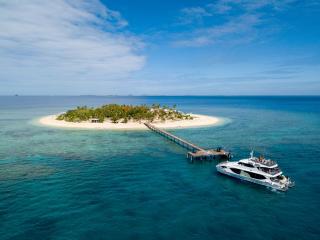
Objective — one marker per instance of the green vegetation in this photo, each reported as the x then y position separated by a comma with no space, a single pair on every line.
124,113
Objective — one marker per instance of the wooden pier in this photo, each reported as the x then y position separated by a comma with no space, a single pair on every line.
196,153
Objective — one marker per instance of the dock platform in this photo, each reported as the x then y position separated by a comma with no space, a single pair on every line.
195,153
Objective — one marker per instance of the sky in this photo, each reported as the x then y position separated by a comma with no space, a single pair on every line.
143,47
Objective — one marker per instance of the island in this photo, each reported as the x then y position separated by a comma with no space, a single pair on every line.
127,117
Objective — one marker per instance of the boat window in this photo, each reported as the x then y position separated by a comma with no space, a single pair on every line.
270,170
256,176
246,164
237,171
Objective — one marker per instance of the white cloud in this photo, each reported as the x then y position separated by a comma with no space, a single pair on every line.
192,14
224,6
236,29
241,19
65,40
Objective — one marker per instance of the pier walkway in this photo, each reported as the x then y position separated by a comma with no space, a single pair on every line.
196,152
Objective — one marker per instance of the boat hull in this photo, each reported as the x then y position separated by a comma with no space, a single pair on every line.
266,183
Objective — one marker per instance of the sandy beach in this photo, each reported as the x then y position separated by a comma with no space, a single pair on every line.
197,121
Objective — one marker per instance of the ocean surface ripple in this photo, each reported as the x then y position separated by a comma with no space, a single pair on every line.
76,184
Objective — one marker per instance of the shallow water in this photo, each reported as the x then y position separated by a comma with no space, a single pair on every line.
80,184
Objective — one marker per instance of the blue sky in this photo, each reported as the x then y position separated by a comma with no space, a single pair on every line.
222,47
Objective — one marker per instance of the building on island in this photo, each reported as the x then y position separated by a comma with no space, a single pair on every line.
94,120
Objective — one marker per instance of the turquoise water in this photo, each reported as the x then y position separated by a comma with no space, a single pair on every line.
81,184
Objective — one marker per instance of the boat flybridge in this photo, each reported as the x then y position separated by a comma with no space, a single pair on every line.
257,170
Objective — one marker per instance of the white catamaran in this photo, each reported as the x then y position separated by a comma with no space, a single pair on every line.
257,170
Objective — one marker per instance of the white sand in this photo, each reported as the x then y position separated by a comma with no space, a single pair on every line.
197,121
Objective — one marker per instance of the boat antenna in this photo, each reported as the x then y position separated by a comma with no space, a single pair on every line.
251,154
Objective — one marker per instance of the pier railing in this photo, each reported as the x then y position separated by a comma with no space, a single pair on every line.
190,146
197,153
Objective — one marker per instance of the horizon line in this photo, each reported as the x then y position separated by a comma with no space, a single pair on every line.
144,95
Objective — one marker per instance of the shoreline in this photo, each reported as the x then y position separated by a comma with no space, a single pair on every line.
197,121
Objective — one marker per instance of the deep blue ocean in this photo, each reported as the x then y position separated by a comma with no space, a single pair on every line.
91,184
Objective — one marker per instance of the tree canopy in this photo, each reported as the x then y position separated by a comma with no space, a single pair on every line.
124,113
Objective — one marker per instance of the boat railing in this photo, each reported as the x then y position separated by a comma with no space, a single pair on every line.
263,161
271,171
